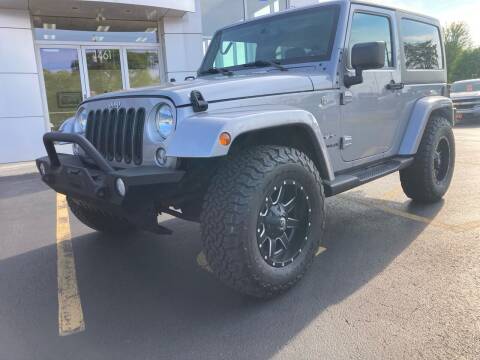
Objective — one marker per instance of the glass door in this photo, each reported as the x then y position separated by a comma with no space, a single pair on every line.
104,70
73,73
64,87
143,67
110,69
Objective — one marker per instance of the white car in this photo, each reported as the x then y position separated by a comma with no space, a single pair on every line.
466,99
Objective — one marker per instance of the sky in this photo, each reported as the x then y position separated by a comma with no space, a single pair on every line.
445,10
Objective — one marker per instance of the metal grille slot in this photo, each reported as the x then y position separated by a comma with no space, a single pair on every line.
117,134
128,135
111,135
138,137
96,128
103,133
90,125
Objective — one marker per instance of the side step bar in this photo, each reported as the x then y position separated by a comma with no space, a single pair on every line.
358,177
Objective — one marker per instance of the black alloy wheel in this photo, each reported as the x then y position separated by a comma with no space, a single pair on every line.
263,219
441,160
429,177
284,223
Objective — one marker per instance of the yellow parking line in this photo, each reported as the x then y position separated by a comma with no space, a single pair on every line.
320,250
70,314
202,262
390,195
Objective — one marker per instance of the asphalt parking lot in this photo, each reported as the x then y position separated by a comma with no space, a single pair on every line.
394,281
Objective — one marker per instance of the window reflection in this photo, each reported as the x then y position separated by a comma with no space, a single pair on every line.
371,28
62,83
143,68
104,70
304,36
217,14
422,46
90,30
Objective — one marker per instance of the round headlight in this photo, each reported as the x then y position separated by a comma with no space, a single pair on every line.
81,122
164,121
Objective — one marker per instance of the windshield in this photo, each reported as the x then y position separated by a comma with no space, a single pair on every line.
470,86
296,37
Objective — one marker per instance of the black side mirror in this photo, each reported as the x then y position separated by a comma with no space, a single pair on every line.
366,56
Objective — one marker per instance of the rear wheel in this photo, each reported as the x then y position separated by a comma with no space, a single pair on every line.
429,177
98,219
263,220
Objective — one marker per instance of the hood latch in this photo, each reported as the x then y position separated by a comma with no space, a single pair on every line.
199,103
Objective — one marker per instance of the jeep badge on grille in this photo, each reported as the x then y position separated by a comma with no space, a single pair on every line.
114,105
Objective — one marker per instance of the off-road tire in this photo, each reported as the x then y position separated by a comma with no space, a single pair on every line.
229,218
418,180
98,219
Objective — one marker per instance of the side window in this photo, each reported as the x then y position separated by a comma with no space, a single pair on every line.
370,28
422,46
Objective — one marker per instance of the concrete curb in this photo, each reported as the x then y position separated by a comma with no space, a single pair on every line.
29,167
15,169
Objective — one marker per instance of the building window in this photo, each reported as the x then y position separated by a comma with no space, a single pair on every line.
143,67
91,30
217,14
370,28
257,8
422,46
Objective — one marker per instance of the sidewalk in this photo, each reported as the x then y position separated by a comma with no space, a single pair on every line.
28,167
20,168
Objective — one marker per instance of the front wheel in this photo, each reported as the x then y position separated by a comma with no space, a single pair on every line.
429,177
263,220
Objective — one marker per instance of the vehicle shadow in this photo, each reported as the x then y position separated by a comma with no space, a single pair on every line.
145,297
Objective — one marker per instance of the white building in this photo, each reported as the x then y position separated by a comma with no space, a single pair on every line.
55,53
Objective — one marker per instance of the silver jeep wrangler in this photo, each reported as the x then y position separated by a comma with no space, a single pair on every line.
287,109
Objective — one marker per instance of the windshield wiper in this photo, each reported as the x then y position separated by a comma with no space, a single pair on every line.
265,63
222,71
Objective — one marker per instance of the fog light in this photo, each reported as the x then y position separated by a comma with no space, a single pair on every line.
42,169
161,156
121,188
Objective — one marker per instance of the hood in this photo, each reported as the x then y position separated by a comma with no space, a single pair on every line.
220,88
461,95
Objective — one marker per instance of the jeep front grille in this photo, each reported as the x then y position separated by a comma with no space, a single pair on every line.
117,134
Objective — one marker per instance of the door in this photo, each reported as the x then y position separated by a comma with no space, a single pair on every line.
63,82
104,70
110,69
73,73
369,114
143,67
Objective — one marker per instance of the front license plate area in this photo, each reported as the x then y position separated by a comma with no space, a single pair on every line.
78,179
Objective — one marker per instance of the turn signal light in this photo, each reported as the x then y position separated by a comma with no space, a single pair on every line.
225,139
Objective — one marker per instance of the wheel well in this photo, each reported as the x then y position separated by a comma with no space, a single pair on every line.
295,136
445,112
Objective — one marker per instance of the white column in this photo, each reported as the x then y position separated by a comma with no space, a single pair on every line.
182,44
22,121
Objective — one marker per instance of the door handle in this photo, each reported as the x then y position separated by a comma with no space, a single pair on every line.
395,86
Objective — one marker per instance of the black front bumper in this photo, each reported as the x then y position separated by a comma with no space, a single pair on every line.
70,175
